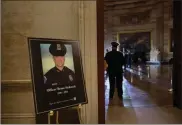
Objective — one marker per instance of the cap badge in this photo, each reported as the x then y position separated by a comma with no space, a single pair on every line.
58,47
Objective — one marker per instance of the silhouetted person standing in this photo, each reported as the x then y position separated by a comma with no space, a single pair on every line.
115,61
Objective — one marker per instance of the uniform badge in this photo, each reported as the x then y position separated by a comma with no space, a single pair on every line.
58,47
71,78
74,98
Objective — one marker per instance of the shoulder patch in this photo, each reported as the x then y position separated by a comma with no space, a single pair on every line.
45,79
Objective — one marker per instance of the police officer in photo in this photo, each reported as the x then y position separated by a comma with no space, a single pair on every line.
60,74
115,61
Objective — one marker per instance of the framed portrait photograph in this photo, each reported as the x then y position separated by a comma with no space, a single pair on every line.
57,74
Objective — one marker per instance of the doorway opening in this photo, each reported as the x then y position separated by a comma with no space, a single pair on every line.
146,43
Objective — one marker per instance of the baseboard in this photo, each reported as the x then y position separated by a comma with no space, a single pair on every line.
17,115
18,118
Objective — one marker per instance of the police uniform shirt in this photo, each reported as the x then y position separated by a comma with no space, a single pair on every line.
115,60
64,77
56,78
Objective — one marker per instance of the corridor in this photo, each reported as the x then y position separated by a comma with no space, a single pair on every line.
146,97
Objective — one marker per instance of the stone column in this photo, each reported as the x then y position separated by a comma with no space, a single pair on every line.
160,29
108,31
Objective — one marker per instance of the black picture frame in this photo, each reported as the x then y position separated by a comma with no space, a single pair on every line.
46,101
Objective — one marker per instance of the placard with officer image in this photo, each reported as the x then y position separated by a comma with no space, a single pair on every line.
57,75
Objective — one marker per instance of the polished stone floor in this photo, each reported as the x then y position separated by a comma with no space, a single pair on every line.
146,97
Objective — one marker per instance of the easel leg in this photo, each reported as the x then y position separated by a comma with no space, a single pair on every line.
79,113
57,117
51,113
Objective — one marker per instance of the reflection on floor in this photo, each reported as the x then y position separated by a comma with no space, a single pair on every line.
146,98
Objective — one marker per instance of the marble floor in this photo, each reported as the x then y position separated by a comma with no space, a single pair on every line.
146,97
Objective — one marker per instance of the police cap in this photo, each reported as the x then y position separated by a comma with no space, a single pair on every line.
57,49
114,44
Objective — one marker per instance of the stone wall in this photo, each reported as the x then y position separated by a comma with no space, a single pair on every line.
74,20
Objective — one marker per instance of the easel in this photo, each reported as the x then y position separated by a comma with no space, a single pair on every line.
51,113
